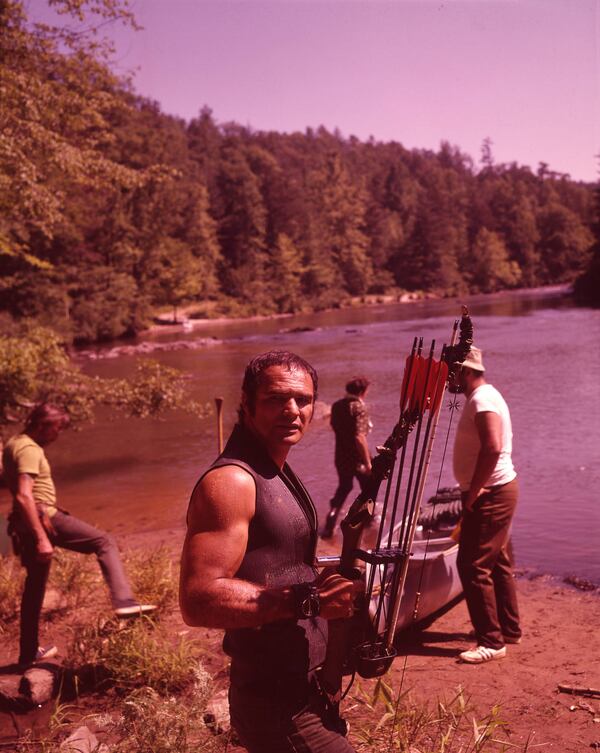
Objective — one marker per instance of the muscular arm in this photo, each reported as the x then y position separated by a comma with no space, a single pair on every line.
25,503
221,509
489,428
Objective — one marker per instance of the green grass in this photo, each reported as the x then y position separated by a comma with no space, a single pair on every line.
12,577
77,579
407,726
152,575
133,654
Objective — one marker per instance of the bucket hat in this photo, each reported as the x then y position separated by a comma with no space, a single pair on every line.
474,359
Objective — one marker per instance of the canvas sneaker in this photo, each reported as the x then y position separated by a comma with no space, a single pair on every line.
512,639
45,653
480,654
135,610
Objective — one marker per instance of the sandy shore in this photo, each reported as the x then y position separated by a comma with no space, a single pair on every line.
561,645
164,323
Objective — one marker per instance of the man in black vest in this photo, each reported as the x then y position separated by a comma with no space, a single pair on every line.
248,567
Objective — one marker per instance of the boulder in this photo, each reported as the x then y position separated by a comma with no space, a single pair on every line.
40,684
10,694
216,715
83,740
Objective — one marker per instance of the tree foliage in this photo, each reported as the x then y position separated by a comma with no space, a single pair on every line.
110,208
35,366
587,285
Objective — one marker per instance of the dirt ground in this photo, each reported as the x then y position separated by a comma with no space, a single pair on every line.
561,645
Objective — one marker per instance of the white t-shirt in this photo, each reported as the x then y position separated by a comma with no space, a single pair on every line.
466,443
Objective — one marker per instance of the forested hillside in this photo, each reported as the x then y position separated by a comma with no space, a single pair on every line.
110,208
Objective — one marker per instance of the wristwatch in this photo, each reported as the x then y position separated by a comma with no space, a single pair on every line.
306,600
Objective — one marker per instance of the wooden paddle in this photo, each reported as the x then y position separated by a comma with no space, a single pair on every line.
219,404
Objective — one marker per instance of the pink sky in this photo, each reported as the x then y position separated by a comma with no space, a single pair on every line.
522,72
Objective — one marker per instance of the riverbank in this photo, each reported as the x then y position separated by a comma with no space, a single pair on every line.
560,647
198,333
187,322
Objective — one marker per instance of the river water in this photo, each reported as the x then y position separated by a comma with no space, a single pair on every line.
541,352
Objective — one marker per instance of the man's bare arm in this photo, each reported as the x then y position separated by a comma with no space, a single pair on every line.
221,509
363,450
489,427
25,503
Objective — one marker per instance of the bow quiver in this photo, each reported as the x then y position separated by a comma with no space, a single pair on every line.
402,461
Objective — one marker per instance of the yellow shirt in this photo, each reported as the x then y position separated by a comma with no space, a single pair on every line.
23,455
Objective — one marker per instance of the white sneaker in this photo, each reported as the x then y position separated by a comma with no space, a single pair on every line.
135,610
45,653
480,654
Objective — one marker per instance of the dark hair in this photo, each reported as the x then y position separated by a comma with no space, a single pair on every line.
253,376
357,385
45,413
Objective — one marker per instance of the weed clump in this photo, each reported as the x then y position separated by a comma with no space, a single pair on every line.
133,655
12,577
150,721
75,577
450,726
152,575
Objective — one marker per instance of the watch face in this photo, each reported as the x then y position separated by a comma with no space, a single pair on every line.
307,600
310,606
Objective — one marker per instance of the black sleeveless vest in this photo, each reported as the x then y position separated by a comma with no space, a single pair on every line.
281,547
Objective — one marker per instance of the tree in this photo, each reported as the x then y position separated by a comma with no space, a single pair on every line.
487,158
242,224
286,275
430,260
587,285
54,122
564,244
105,304
490,266
35,367
340,247
173,274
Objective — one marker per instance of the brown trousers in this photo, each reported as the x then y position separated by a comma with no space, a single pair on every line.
485,567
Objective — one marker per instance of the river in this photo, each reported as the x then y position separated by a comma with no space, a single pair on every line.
540,351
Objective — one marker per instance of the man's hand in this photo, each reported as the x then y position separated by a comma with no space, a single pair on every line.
43,550
40,528
337,594
469,499
46,521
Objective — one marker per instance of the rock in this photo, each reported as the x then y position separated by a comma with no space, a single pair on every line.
582,584
216,716
151,347
39,684
10,694
83,740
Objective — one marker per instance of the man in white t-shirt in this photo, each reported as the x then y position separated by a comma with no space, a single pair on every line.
488,483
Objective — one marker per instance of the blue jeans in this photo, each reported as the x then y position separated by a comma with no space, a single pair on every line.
77,536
